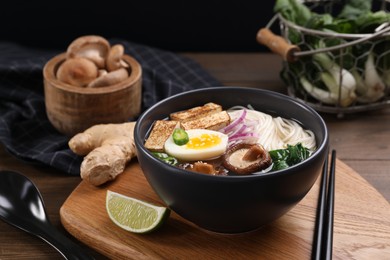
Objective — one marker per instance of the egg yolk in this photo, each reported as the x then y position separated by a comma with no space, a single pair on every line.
203,141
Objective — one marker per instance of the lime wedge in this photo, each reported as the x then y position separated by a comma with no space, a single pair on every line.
134,215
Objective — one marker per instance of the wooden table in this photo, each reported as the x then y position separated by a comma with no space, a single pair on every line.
361,140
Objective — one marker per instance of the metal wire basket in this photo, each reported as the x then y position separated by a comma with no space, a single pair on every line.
351,54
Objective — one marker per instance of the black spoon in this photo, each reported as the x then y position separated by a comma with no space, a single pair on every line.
21,205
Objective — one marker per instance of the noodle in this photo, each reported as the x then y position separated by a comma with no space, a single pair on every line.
276,132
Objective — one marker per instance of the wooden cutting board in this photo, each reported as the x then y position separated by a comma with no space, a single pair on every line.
361,225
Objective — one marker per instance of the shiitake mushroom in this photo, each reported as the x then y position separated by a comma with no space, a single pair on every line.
243,158
92,62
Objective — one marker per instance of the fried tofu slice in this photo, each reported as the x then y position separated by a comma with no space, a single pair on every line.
161,131
209,116
196,112
214,121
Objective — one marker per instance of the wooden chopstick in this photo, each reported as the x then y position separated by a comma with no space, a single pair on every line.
323,235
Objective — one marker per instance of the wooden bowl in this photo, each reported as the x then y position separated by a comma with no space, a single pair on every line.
73,109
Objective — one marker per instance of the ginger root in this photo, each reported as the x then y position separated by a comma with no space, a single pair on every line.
107,149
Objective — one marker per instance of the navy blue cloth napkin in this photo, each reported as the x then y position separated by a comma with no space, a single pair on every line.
24,128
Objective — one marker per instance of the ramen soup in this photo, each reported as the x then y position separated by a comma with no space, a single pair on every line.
236,141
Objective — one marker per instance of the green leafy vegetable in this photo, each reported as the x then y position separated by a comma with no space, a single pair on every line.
357,73
368,22
293,11
284,158
353,9
336,77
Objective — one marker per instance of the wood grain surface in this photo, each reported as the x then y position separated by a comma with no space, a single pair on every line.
361,141
361,231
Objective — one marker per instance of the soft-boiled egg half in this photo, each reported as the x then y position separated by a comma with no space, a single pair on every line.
203,144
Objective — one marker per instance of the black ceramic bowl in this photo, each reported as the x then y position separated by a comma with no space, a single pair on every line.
232,204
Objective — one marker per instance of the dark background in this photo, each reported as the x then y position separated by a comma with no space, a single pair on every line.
194,26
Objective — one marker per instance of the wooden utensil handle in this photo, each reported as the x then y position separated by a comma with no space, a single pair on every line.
277,44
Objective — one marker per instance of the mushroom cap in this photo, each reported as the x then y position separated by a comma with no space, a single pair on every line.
243,163
78,72
110,78
92,47
114,58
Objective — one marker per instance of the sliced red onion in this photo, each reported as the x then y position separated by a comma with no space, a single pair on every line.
238,130
237,121
241,130
242,136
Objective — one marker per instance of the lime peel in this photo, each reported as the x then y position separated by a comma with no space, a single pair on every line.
134,215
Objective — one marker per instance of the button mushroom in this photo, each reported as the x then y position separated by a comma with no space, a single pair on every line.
77,72
92,47
245,158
